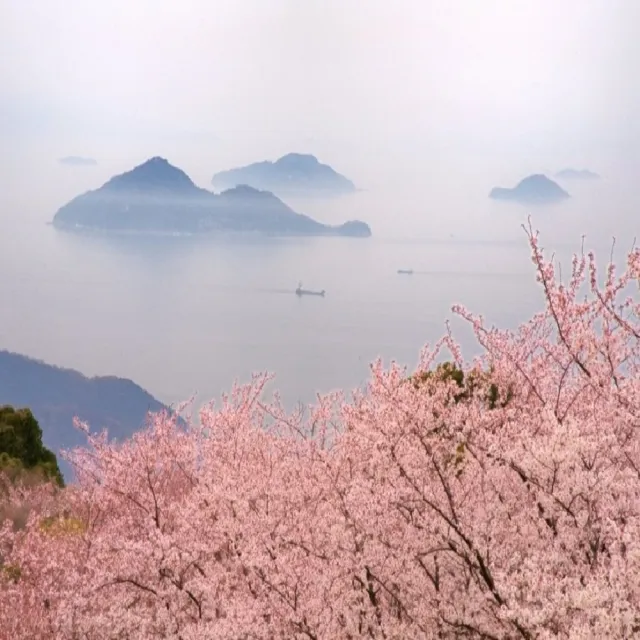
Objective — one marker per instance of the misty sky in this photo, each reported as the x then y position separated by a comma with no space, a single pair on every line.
425,104
232,81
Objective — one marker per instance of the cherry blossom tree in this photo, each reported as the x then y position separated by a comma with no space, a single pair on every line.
493,499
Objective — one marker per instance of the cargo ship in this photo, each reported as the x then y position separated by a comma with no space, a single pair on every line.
308,292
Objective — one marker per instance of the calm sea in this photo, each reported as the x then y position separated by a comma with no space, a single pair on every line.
182,316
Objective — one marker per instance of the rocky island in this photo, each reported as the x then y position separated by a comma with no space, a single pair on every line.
293,174
156,197
535,189
577,174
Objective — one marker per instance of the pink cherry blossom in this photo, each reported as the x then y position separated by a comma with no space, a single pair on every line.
506,508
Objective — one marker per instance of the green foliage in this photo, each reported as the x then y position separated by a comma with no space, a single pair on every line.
472,385
62,525
11,572
469,385
22,453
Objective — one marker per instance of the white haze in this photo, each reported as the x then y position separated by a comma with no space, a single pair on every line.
397,95
425,104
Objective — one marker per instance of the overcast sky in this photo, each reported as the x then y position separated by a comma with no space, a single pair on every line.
359,78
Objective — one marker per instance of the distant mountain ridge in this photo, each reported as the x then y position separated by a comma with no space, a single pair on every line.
292,174
157,175
534,189
156,196
56,395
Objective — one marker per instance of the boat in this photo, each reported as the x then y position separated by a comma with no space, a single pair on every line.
406,271
308,292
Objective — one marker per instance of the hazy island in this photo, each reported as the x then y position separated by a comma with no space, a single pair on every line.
78,161
293,174
55,396
577,174
535,189
156,197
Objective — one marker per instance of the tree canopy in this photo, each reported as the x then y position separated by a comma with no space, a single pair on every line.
22,453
